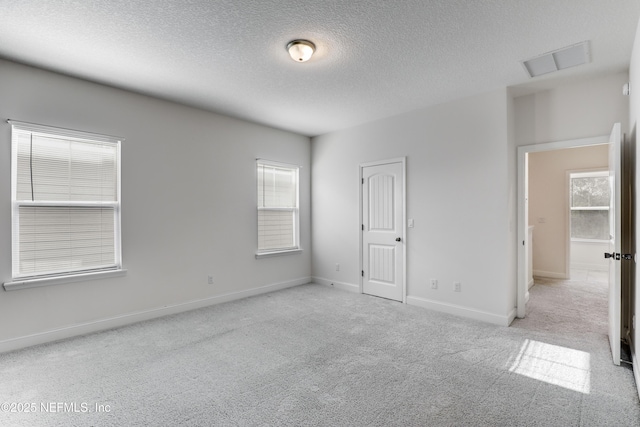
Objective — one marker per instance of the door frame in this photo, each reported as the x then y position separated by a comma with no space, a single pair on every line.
522,294
403,162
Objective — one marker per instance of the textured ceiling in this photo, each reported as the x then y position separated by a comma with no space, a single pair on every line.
374,59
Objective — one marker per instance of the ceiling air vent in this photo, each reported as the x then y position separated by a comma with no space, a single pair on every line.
560,59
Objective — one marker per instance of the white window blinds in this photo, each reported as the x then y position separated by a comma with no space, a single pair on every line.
66,201
277,207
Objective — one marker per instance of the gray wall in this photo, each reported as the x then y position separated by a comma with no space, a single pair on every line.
582,109
189,198
188,206
459,187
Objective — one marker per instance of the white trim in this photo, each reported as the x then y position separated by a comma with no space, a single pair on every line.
277,253
277,164
403,162
522,219
567,226
350,287
361,225
578,240
139,316
404,230
59,280
560,145
384,162
458,310
590,173
550,274
65,203
590,267
636,367
295,210
70,133
80,137
582,173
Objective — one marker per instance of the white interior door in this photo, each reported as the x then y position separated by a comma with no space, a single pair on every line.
383,230
615,223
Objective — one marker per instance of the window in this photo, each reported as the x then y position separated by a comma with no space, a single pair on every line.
66,202
590,194
278,220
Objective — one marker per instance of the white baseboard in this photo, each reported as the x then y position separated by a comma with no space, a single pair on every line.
549,274
530,284
338,285
140,316
590,267
459,310
636,366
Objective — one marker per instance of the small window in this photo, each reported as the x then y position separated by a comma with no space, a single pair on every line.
278,220
590,194
65,201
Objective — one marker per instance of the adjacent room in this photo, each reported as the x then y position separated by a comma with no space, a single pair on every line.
319,213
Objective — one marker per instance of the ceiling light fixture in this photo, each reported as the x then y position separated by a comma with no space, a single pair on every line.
301,50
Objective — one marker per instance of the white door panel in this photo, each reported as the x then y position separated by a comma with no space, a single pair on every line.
615,224
383,230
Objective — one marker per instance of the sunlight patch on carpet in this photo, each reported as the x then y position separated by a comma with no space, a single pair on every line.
560,366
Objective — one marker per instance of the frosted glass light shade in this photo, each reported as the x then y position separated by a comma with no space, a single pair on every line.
301,50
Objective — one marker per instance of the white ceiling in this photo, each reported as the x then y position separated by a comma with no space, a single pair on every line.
374,58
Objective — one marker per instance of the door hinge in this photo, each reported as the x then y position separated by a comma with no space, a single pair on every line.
362,273
362,227
363,180
616,256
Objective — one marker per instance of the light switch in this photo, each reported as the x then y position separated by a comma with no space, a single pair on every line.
410,223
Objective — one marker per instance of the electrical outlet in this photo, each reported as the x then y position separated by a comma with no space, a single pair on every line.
457,287
337,267
434,283
210,280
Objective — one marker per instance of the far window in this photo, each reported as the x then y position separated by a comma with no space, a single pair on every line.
589,196
65,201
278,223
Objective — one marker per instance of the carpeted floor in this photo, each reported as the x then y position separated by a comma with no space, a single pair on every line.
316,356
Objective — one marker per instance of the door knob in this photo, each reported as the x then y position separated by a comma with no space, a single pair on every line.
398,239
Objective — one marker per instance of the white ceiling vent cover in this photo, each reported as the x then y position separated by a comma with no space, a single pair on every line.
560,59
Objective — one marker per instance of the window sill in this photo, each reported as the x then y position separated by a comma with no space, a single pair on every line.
277,253
58,280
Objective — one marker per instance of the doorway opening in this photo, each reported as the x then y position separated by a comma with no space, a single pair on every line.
525,246
526,249
568,210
